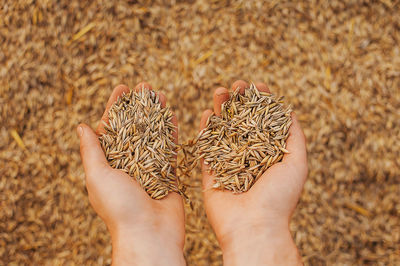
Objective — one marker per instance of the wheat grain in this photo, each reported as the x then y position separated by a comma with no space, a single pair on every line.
238,146
139,140
241,144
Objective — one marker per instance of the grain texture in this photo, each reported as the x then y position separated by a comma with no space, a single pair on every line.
336,62
139,140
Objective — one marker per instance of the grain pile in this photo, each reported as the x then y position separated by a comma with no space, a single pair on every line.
248,138
139,141
336,62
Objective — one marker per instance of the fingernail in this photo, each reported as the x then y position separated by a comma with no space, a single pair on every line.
80,131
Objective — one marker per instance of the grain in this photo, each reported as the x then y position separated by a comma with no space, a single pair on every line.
139,141
248,138
336,62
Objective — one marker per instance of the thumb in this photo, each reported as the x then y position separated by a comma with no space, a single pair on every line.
91,152
296,144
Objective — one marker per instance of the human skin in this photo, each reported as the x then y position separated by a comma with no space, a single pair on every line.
144,231
253,227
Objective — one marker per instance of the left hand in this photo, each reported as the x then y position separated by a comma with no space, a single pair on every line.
143,230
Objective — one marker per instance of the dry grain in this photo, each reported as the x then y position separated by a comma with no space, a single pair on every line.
336,62
139,141
241,144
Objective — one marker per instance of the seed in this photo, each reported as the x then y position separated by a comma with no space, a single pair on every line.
138,140
240,145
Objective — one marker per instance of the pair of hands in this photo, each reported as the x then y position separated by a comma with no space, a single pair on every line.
252,228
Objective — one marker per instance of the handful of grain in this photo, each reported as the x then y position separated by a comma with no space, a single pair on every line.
139,140
248,138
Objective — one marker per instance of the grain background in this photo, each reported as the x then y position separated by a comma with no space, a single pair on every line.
337,63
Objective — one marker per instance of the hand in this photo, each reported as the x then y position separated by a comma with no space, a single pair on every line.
253,227
143,230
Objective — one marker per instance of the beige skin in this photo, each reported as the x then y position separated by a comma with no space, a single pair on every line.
252,228
143,231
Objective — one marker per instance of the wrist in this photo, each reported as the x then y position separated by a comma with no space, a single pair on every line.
258,245
140,248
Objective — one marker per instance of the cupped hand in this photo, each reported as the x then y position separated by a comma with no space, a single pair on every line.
144,231
253,227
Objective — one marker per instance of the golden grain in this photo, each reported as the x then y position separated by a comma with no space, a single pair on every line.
139,141
243,142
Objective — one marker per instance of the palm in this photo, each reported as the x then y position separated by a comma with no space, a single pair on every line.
272,198
118,198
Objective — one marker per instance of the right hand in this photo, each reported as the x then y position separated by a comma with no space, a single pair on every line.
253,227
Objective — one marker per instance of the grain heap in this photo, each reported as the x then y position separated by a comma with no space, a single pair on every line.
337,62
139,140
248,137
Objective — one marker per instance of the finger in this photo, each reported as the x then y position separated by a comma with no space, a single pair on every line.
204,117
163,99
174,121
143,85
296,145
221,95
91,152
240,84
118,91
262,87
